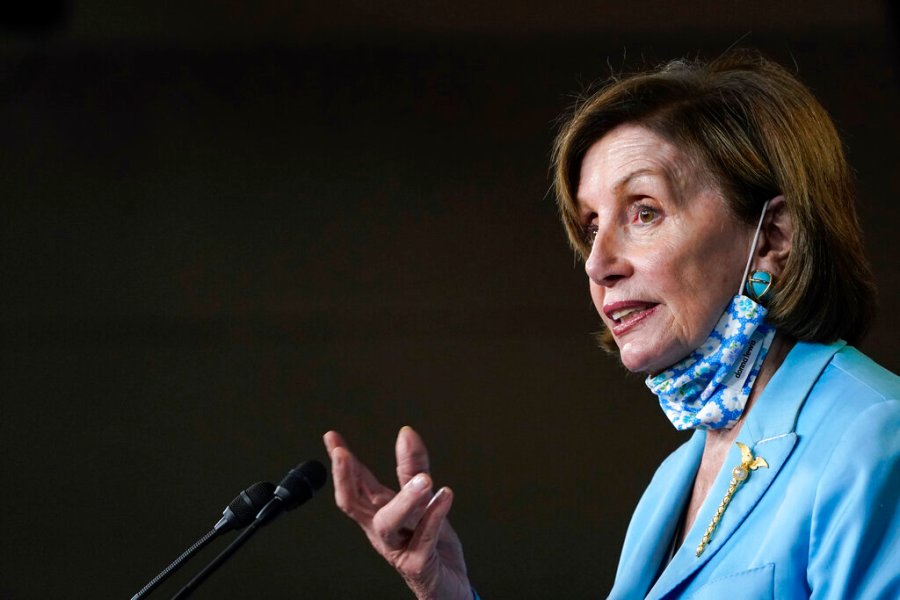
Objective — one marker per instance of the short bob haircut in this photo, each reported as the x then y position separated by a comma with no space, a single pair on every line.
758,133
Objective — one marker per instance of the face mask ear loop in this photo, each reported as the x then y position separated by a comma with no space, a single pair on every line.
753,247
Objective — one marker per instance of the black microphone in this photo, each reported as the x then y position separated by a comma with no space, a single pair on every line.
299,485
237,515
243,508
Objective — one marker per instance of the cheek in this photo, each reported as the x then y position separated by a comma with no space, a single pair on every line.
596,296
658,261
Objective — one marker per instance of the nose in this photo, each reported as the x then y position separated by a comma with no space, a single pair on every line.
606,264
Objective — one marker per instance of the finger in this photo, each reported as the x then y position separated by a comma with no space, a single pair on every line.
395,522
343,477
358,472
428,531
333,440
412,456
356,491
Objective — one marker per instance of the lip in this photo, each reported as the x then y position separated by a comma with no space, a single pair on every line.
633,319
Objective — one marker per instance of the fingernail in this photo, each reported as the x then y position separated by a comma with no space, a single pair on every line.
418,483
441,494
404,434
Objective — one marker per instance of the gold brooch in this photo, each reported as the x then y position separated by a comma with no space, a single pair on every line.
739,475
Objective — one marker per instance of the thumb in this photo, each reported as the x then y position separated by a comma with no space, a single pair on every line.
412,456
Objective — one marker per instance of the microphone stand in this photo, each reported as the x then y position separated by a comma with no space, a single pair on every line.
176,564
242,511
270,511
299,485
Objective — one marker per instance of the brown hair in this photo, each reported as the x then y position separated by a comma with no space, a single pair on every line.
759,133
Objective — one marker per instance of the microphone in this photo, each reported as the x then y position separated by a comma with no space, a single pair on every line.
299,485
237,515
244,507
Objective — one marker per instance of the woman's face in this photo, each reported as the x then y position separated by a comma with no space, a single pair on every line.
667,255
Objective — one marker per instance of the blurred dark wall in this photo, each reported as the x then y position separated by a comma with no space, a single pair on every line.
214,252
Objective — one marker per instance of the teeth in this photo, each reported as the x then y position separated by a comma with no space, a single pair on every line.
619,314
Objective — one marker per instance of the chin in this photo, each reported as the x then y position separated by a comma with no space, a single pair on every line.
634,361
648,360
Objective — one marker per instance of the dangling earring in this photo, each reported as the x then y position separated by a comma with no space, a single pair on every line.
759,283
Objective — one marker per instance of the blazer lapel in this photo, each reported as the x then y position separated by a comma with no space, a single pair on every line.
686,562
649,538
769,432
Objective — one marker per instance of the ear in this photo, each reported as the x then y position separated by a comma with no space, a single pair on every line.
775,238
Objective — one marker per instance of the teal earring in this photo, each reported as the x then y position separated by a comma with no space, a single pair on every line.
759,283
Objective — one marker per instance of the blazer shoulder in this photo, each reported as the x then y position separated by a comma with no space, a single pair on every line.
860,375
867,373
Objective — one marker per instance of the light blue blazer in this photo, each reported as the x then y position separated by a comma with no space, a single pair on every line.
821,521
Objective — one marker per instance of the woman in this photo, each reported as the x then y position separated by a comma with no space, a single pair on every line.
713,207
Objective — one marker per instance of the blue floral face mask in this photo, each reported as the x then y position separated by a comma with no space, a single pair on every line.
710,387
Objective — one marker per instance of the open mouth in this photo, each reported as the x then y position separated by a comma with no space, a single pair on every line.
623,314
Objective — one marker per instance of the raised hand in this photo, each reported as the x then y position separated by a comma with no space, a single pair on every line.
408,528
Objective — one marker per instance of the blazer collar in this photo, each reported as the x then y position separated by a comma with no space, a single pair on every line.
775,411
769,432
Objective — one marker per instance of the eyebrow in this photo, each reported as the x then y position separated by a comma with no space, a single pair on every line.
667,175
624,181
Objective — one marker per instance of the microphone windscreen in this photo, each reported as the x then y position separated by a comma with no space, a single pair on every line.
242,510
301,483
249,502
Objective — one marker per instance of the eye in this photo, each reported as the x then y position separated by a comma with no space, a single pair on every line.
646,215
590,234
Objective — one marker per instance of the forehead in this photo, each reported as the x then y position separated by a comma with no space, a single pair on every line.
632,155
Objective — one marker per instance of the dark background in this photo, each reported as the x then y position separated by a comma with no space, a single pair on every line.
228,227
